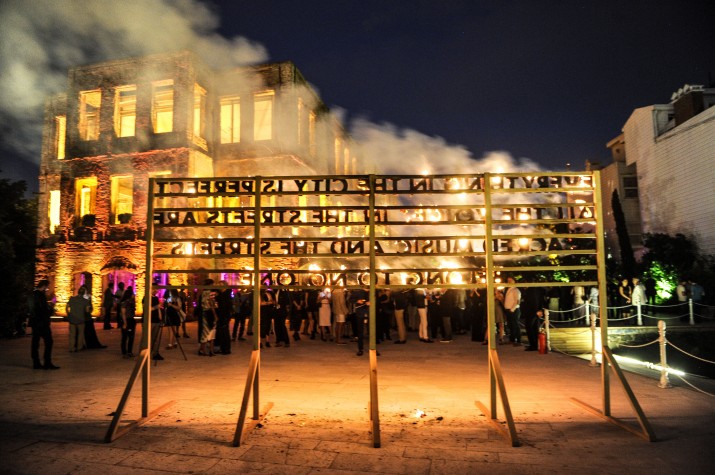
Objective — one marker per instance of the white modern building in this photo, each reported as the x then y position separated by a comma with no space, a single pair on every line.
671,148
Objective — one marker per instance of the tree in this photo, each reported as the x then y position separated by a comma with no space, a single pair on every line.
18,227
628,261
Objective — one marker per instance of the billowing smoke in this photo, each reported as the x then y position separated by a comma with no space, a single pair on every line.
41,39
390,149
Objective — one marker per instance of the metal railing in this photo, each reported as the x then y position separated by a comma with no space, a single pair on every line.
665,370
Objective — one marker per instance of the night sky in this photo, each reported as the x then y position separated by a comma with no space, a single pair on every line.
551,81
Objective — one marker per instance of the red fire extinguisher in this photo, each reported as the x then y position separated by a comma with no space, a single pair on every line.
543,348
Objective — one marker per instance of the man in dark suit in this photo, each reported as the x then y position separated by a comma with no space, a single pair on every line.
40,313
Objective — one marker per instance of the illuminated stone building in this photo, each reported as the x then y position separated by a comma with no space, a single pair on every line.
122,122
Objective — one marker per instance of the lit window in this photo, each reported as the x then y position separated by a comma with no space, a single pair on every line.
125,111
199,114
54,210
60,134
85,193
122,199
263,116
230,119
89,102
162,106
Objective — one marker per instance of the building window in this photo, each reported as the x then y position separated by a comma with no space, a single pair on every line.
630,187
60,135
53,210
125,111
199,115
230,119
85,197
162,106
122,199
263,116
89,102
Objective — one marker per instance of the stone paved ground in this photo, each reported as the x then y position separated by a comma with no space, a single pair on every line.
55,421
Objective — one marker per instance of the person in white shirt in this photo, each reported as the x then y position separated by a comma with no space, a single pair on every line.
512,301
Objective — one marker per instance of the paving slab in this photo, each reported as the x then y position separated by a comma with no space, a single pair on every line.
55,421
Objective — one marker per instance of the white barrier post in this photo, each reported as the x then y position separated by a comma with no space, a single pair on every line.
593,343
640,315
588,313
692,315
664,382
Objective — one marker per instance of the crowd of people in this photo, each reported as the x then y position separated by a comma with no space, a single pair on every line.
333,315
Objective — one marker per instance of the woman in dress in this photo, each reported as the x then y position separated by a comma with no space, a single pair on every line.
268,309
174,307
90,333
624,300
324,313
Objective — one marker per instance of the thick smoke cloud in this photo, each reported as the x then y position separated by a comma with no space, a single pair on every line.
41,39
390,149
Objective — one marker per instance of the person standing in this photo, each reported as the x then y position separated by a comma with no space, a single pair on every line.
324,314
207,332
340,312
401,298
224,309
267,315
361,305
77,308
579,312
593,303
638,298
40,313
420,301
624,300
108,302
311,305
512,302
460,308
174,307
498,319
128,324
281,314
298,313
532,308
448,305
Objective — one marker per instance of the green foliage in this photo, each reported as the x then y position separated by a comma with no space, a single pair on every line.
666,279
17,252
669,259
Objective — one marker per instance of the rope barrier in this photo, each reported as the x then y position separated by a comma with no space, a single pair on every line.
689,354
694,387
638,346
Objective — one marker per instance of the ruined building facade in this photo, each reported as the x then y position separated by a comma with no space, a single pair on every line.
121,122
